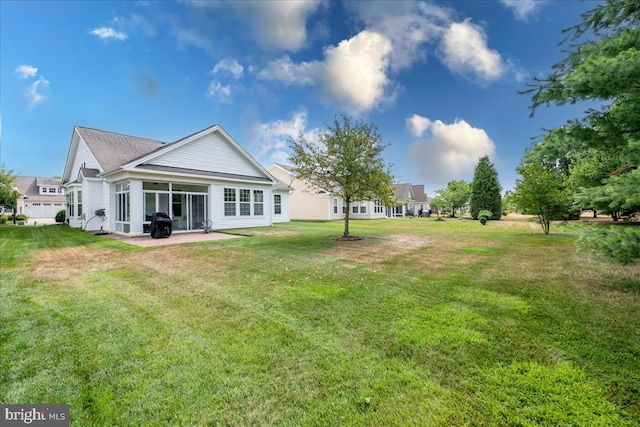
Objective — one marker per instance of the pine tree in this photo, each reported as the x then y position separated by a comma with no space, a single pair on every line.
485,190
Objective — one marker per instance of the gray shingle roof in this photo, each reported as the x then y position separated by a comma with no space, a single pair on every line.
419,194
28,185
403,192
113,150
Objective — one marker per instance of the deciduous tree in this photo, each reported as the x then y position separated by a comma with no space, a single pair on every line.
347,161
540,192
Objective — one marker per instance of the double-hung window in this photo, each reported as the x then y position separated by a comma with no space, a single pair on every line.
229,202
245,202
258,202
277,204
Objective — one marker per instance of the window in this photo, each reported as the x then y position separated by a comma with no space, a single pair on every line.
359,207
335,206
229,202
52,190
344,207
70,205
123,204
377,207
245,202
277,204
79,203
258,202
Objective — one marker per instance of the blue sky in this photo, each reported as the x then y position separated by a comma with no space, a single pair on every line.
440,79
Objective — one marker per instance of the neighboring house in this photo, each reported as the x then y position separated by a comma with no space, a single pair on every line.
420,202
313,203
405,201
39,197
116,182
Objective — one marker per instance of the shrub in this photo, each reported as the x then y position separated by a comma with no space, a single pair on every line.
21,217
61,215
3,219
484,215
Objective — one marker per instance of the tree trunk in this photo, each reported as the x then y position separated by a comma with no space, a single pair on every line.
346,220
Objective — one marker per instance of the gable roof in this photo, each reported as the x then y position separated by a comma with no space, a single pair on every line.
419,194
112,150
29,187
403,192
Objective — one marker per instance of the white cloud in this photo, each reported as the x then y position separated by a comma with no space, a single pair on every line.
106,33
464,50
408,25
220,92
272,138
279,25
418,125
450,151
353,74
286,71
26,71
33,95
522,9
228,66
356,71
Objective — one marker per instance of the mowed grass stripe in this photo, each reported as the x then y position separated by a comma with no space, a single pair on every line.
288,327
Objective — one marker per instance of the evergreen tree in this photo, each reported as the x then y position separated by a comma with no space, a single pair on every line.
485,190
602,65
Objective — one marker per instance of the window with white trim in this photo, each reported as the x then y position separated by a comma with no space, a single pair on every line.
359,207
229,202
277,204
335,206
258,202
70,204
79,203
123,207
377,207
245,202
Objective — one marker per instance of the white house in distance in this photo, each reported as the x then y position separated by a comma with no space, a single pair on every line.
309,202
39,197
115,183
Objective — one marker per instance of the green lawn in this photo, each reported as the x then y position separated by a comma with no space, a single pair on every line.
422,322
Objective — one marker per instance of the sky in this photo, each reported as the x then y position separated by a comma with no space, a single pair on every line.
440,79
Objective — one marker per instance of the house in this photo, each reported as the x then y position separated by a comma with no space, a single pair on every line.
420,202
312,203
405,201
39,197
115,183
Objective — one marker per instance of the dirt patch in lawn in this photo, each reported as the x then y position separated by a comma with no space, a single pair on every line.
420,248
68,262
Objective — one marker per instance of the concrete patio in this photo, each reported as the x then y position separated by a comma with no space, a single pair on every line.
148,241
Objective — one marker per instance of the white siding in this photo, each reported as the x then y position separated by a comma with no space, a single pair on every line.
221,222
284,216
93,200
106,204
83,158
208,153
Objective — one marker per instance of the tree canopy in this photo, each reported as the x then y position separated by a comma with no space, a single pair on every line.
347,161
540,192
601,149
8,193
485,189
456,195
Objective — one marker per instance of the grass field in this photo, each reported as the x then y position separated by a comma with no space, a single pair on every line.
422,322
